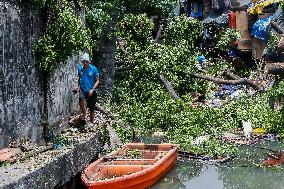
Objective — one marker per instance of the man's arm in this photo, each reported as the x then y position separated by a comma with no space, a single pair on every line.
95,85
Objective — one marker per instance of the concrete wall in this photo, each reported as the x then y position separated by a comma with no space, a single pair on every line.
61,101
20,90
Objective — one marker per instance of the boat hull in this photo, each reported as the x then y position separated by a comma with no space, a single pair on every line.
147,176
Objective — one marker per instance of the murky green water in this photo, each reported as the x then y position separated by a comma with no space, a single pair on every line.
243,172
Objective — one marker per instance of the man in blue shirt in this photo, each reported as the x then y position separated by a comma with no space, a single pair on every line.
88,82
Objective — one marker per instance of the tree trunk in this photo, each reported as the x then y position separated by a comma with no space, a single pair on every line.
230,75
241,81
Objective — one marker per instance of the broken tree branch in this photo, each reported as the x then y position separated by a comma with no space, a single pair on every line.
161,28
120,44
274,68
230,75
276,27
168,86
241,81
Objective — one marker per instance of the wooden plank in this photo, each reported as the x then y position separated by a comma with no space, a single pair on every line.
242,20
258,47
245,35
244,42
264,15
131,162
119,170
244,45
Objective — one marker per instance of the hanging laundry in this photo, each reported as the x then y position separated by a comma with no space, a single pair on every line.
232,20
221,4
200,10
227,3
196,10
215,4
218,4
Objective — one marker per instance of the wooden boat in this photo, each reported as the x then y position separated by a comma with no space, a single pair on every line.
135,165
274,160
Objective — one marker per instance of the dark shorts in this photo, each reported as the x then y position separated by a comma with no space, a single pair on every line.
90,100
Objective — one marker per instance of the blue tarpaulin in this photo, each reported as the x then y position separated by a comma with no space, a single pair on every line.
259,28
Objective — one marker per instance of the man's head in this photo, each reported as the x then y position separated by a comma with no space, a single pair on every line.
85,59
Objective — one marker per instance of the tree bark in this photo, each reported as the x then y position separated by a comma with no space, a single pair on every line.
168,86
120,44
276,27
161,28
230,75
241,81
274,68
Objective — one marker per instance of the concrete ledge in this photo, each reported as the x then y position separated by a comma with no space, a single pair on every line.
52,168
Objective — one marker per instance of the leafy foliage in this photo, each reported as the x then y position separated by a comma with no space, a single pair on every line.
282,6
64,36
141,99
151,7
98,17
185,30
226,37
143,102
137,28
272,42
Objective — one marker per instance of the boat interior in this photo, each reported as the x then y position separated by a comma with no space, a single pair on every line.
117,164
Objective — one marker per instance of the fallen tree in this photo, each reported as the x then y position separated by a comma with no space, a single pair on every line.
241,81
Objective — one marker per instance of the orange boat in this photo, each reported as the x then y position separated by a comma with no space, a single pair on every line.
134,166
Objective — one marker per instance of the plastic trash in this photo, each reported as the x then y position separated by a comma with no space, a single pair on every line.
199,140
201,59
235,94
247,129
57,146
215,103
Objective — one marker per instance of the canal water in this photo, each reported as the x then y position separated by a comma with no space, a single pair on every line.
242,172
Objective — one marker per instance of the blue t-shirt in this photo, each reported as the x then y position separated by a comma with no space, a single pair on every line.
87,77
